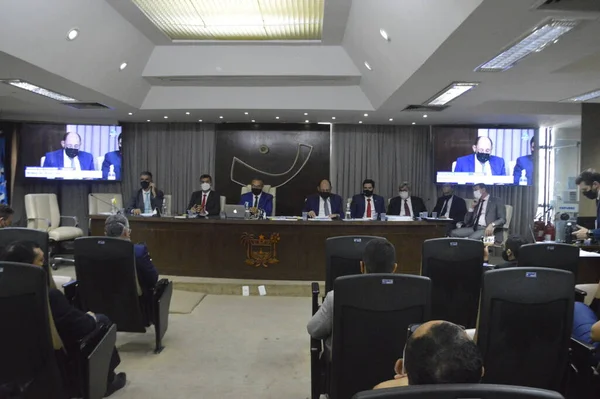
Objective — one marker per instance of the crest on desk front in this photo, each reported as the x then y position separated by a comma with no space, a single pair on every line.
260,251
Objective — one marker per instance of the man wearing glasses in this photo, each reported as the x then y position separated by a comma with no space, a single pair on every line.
69,157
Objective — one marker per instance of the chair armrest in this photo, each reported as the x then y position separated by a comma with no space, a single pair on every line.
580,295
315,297
71,217
48,224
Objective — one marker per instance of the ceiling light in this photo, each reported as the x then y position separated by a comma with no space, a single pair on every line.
585,96
72,34
220,117
253,120
451,92
368,66
538,39
414,123
148,120
306,121
391,119
187,113
306,113
366,114
333,117
425,116
199,120
384,35
276,117
21,84
123,66
166,117
131,113
359,121
245,113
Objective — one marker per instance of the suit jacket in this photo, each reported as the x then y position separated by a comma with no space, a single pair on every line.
467,164
357,206
458,208
71,323
335,201
417,203
265,202
55,159
494,213
524,163
147,274
137,201
213,202
320,325
111,158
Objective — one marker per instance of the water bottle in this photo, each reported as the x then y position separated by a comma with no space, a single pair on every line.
246,211
165,209
111,173
523,178
223,215
348,213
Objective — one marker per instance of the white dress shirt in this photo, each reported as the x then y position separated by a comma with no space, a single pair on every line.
403,211
484,168
322,206
481,221
372,206
67,162
448,206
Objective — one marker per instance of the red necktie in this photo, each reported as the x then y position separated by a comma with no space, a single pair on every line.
203,200
406,208
368,208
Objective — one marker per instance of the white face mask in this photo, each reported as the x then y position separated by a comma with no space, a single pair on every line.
205,186
403,194
477,194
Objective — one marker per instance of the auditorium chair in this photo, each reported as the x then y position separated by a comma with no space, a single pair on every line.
552,255
100,203
43,214
454,266
525,323
267,189
371,315
107,283
34,362
459,391
584,378
9,235
342,256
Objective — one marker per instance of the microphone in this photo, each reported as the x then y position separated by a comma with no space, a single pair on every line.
106,202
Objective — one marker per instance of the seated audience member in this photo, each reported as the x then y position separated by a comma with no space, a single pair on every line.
438,352
257,199
147,199
525,163
71,323
113,158
450,206
118,226
588,183
586,327
324,203
205,202
406,204
485,218
6,215
510,252
379,256
367,204
481,160
69,156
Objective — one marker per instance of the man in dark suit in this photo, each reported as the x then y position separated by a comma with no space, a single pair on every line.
485,218
6,215
481,161
324,203
257,199
367,204
450,206
70,156
525,163
113,159
406,204
147,199
205,202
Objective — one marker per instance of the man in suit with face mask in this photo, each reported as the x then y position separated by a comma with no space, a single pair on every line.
148,198
406,204
481,160
450,206
205,202
485,218
324,203
589,185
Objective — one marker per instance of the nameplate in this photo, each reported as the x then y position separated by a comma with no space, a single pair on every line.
387,281
531,274
550,248
1,270
101,242
358,240
453,243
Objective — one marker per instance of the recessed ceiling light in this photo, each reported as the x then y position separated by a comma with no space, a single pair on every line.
21,84
451,92
359,121
585,96
535,41
276,117
123,66
306,113
148,120
199,120
221,117
166,117
306,121
131,113
384,34
366,114
253,121
245,113
368,66
414,123
333,117
425,116
391,119
72,34
187,113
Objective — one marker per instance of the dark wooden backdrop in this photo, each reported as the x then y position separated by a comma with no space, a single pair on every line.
244,141
36,139
451,143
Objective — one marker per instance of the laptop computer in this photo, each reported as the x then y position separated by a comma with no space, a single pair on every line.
234,211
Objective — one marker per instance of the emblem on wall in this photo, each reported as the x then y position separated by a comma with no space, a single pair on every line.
261,251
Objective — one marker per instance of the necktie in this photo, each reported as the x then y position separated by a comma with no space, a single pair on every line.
255,201
443,212
406,208
476,222
368,208
326,207
203,201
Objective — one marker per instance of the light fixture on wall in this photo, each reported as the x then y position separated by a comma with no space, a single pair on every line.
187,113
451,92
333,117
166,117
584,97
245,113
391,119
425,116
414,123
131,113
366,115
253,121
359,121
306,113
199,120
147,120
72,34
306,121
368,66
122,66
221,117
276,117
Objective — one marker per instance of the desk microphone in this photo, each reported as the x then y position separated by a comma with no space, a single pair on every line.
107,203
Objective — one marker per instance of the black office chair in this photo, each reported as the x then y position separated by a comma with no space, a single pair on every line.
343,256
107,283
9,235
551,255
525,323
459,391
371,316
454,266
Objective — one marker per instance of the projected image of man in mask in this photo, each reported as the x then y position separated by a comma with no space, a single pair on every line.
481,161
70,156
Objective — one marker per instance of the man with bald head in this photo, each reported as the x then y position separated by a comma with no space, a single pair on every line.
438,352
69,156
481,161
324,203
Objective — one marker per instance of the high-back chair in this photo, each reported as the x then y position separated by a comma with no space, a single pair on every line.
454,266
267,189
371,316
525,322
107,283
101,203
459,391
551,255
9,235
343,255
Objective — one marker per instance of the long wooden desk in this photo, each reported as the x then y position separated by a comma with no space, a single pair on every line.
266,250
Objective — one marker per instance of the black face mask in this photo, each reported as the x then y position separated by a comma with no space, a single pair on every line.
145,184
591,194
256,191
368,193
483,157
324,195
71,152
446,196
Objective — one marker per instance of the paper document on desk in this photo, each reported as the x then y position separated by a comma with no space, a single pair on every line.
394,218
587,254
283,218
320,219
358,220
147,215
